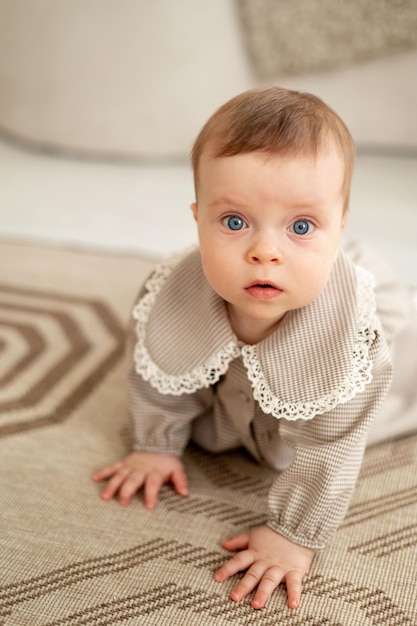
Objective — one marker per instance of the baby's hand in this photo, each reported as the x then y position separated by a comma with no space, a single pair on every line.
269,558
143,470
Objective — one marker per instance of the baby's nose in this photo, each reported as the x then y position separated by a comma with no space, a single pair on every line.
265,250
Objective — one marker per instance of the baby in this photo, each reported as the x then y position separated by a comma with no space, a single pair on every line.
270,335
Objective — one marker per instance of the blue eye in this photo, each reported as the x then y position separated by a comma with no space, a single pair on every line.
234,222
302,227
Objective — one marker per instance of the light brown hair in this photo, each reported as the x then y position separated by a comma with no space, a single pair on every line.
279,121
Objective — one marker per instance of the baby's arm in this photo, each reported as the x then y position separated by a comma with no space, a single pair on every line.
309,499
142,470
269,558
161,428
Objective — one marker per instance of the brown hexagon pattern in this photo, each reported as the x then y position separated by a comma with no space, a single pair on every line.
54,350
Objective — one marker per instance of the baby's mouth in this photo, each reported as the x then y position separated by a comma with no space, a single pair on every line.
263,285
263,290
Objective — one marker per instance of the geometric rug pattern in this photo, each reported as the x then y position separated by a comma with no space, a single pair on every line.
68,558
49,360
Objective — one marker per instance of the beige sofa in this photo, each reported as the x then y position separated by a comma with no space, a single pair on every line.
137,78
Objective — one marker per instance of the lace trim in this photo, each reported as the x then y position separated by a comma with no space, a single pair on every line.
210,372
203,376
355,382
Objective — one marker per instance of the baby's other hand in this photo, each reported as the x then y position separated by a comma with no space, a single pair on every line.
269,558
142,470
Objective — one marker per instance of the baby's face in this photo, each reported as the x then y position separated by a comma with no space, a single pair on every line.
269,229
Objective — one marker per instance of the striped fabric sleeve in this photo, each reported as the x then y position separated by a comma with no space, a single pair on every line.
308,500
162,423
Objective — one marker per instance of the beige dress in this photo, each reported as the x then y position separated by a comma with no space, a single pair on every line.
336,376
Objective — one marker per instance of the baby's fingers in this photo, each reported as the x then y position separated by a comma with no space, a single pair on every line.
131,483
267,585
114,484
241,561
294,581
180,482
106,472
240,542
270,582
153,486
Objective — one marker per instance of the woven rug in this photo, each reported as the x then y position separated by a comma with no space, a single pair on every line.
68,558
288,37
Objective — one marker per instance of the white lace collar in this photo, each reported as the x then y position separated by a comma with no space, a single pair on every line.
317,358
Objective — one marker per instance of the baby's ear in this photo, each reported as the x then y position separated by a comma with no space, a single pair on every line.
194,209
